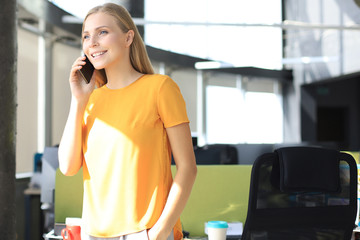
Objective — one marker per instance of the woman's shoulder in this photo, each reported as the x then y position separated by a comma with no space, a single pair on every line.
157,80
158,77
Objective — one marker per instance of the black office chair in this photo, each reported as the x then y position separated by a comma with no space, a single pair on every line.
302,193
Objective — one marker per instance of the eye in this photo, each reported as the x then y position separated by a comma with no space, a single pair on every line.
102,32
86,37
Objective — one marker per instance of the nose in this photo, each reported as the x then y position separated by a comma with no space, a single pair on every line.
94,42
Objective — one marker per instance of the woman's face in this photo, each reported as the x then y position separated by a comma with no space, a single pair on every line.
104,42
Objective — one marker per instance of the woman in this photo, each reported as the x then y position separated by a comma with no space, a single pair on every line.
123,133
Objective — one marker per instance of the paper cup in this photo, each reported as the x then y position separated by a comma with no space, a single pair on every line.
216,230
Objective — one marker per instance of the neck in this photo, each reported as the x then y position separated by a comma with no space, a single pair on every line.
121,76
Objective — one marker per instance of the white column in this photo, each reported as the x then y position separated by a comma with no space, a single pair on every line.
44,88
41,88
201,109
162,69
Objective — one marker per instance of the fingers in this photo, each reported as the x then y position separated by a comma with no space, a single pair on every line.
78,64
79,88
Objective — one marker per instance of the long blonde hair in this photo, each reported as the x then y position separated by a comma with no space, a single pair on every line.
138,55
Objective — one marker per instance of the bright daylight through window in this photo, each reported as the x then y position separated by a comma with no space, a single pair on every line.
218,30
256,118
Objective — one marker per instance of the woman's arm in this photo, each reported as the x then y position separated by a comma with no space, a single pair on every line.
70,148
182,149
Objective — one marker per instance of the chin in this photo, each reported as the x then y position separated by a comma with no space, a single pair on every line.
99,67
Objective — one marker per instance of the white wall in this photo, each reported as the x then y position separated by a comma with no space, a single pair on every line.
63,58
26,139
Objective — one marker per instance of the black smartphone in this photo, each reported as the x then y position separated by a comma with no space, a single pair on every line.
87,70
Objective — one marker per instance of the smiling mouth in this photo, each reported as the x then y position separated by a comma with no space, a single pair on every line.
94,55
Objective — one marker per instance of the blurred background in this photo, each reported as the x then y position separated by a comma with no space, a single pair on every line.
255,75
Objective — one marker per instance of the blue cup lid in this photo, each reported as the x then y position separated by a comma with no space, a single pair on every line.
217,224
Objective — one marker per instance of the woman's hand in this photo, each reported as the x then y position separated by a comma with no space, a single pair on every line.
79,88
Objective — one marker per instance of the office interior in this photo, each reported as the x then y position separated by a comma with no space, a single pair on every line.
317,84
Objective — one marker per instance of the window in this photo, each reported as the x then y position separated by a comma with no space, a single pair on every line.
215,30
236,117
263,118
224,115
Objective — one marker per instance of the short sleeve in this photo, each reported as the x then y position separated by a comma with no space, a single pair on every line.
171,104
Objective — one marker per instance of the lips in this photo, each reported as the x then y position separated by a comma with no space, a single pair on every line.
97,54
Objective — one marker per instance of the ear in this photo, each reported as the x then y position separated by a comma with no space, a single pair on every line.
129,38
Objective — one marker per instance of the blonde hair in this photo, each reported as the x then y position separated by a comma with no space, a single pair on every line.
138,55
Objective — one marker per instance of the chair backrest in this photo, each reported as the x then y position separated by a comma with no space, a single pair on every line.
302,193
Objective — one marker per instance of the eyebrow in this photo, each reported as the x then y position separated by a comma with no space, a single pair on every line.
97,28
